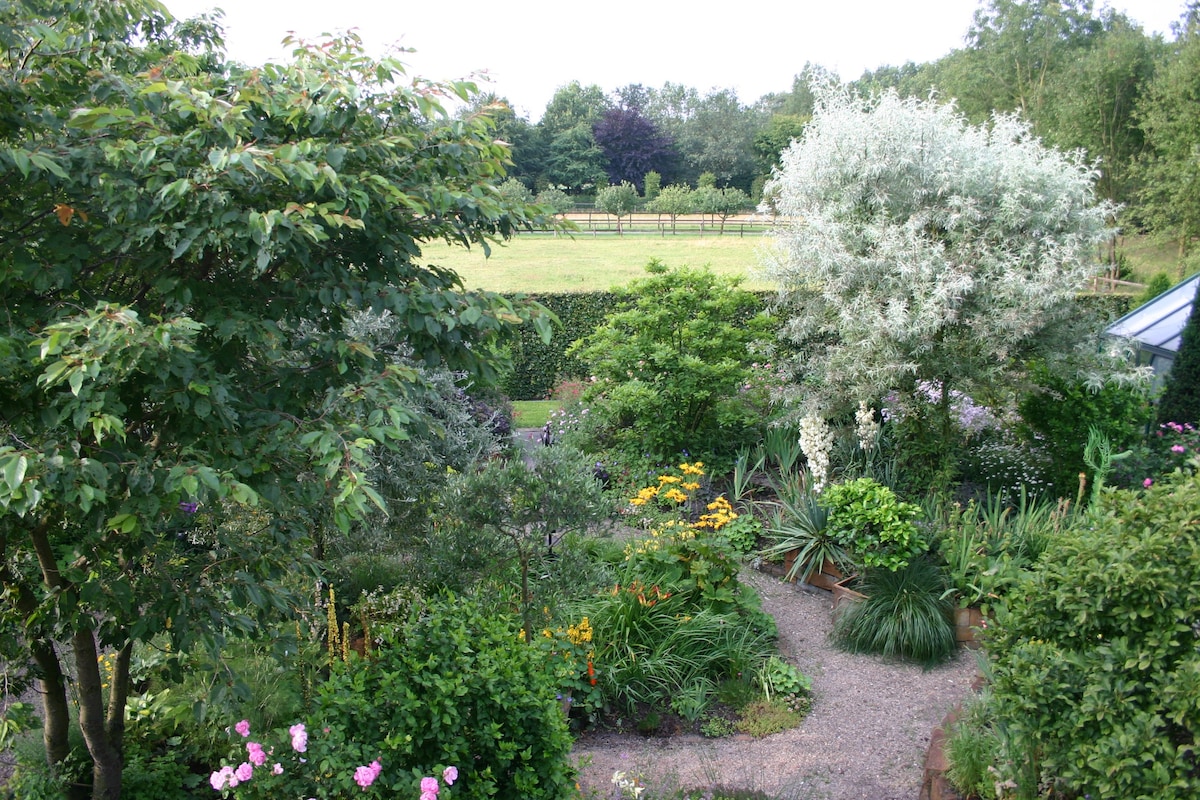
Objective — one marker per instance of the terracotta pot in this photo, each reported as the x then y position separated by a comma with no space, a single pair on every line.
967,624
823,578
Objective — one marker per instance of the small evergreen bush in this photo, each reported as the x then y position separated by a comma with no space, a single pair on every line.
455,685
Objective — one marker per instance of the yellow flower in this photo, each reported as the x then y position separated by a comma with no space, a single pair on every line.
675,495
669,479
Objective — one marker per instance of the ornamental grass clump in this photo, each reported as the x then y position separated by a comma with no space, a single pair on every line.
905,615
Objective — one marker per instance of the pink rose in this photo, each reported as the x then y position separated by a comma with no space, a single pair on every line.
244,771
364,776
450,775
243,727
299,737
1178,448
256,754
277,769
428,795
1148,482
220,778
376,767
429,785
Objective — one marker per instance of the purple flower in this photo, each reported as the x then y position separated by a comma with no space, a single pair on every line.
189,507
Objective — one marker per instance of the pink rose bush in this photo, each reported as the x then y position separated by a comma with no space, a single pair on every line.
290,776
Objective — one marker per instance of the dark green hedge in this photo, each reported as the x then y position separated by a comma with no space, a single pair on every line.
538,366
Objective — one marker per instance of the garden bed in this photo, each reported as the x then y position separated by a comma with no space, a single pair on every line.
864,740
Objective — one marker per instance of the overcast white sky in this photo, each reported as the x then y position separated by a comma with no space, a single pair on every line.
531,47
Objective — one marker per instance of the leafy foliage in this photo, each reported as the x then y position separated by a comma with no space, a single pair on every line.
190,241
669,364
1059,410
633,146
1107,622
931,252
455,686
874,527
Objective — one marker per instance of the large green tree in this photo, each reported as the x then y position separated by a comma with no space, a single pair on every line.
1091,101
1169,112
181,245
927,255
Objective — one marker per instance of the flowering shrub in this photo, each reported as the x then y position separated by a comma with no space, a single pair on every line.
1170,448
286,766
455,685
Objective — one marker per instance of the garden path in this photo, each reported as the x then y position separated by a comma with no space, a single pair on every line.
864,740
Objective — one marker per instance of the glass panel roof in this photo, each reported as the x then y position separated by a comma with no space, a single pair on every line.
1159,323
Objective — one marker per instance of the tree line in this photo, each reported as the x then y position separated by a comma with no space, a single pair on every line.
1084,78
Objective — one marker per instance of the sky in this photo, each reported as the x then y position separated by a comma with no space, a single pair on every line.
529,48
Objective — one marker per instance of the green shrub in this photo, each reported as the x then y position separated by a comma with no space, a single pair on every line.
670,362
972,746
455,686
869,521
1059,411
905,615
1096,665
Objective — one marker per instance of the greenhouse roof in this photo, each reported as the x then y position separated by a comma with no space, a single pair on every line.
1157,325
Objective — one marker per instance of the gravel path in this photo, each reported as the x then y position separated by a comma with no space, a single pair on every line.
864,740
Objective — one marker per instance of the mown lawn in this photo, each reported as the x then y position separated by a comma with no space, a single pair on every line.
581,263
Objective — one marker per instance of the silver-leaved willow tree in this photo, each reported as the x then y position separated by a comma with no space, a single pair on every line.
182,241
925,255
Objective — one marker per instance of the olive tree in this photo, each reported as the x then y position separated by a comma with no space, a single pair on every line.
924,253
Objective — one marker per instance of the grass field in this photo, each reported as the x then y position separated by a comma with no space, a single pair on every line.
533,413
581,263
543,263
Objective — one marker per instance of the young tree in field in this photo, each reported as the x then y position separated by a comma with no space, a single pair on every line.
723,203
673,201
926,252
652,184
619,200
177,271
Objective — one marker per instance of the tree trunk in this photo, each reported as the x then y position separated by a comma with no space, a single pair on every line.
56,717
53,688
118,693
106,756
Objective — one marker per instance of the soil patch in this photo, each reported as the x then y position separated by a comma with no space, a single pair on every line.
865,739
